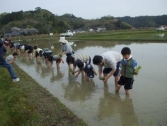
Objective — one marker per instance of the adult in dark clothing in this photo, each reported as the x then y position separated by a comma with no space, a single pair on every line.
5,64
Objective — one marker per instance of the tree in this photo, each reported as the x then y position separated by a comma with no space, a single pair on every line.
37,8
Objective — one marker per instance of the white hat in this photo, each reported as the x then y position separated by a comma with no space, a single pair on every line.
63,40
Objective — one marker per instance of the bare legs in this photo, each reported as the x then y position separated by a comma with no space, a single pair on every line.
118,88
116,78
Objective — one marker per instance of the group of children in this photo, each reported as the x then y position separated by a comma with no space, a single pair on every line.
123,69
120,65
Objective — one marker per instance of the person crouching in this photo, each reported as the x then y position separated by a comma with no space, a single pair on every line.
87,68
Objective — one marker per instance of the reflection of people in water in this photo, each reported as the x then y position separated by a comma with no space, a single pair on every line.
56,77
106,109
75,91
42,69
26,60
111,106
38,67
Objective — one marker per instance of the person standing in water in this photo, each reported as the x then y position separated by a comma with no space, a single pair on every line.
66,49
128,67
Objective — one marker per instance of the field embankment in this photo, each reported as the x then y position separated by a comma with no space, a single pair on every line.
128,35
26,103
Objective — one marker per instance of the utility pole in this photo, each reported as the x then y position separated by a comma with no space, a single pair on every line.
120,25
3,32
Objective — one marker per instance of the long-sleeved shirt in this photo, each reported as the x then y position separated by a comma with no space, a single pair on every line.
110,58
66,48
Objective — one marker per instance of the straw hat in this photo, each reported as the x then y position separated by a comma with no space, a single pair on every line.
63,40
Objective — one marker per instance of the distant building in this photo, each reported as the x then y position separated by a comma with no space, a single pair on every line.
12,34
18,32
164,26
80,30
91,30
161,28
101,29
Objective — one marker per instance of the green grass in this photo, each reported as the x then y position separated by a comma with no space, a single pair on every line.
119,35
15,110
129,35
26,103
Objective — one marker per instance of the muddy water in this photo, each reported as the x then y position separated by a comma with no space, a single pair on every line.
97,103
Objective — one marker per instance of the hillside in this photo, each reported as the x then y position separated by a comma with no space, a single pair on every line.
145,21
45,22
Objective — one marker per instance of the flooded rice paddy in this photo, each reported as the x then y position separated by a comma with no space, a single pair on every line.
96,103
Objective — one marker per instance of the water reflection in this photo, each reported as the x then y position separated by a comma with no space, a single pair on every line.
113,105
26,60
160,35
42,69
56,77
99,105
105,103
76,91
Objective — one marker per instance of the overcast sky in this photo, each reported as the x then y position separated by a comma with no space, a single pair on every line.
89,9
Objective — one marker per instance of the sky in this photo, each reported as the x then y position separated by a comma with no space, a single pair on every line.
90,9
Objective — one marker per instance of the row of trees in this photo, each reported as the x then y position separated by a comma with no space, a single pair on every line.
145,21
45,22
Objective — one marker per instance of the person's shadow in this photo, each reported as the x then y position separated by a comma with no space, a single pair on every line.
110,106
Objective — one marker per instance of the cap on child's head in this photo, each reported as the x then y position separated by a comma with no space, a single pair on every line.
125,50
97,59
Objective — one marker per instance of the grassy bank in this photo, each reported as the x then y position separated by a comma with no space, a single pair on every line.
26,103
119,35
129,35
